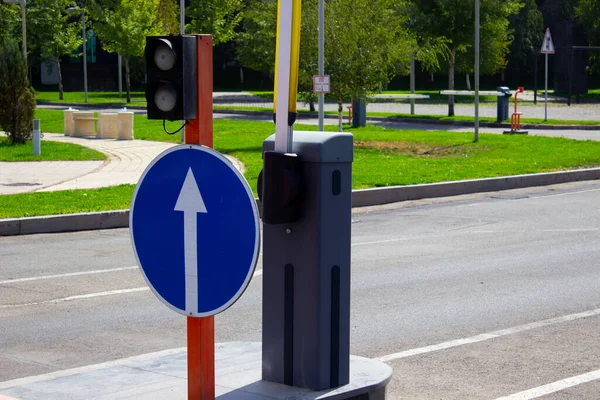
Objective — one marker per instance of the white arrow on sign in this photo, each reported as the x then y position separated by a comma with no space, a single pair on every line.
191,203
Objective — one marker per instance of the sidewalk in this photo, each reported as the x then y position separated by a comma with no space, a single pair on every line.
127,160
163,375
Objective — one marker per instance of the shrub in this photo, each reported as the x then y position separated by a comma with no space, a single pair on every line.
17,99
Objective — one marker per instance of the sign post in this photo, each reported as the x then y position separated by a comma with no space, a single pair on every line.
201,331
321,62
547,48
195,233
194,223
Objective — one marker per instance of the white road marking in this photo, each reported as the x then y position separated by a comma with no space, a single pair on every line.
92,295
531,197
43,277
490,335
479,232
79,297
562,194
554,387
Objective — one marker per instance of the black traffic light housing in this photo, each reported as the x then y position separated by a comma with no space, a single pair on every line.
171,77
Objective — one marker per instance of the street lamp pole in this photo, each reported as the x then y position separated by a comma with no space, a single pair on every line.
477,18
23,24
24,27
321,66
85,85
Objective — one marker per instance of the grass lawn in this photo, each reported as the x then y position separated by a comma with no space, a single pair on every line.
65,201
105,98
592,95
535,121
383,157
50,151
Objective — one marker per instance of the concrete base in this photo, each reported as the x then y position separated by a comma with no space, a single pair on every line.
163,375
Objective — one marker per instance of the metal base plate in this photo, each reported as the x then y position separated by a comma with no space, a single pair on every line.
515,132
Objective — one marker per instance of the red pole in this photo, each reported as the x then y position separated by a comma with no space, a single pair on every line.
201,358
201,331
200,130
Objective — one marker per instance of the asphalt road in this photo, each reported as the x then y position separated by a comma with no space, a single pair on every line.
470,297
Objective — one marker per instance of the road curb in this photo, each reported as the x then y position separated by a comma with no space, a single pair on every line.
64,223
393,194
360,198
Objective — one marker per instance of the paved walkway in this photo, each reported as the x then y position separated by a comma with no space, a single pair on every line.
557,108
580,112
127,160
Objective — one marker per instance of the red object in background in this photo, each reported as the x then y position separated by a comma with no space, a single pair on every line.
515,119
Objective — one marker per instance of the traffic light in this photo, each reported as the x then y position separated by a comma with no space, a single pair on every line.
171,77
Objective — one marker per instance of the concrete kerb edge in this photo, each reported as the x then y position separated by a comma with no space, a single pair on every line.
64,223
360,198
380,196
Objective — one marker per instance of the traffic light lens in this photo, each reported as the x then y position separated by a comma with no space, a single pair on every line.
164,56
165,99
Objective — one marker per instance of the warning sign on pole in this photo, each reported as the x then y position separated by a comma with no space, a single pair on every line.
321,84
547,45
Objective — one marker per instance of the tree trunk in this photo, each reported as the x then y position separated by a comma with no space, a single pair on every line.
127,81
60,83
311,105
451,83
468,82
502,75
340,116
431,78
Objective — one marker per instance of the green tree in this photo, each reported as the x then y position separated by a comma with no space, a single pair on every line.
167,14
10,21
219,18
123,29
52,32
17,99
454,21
528,28
256,42
588,14
366,44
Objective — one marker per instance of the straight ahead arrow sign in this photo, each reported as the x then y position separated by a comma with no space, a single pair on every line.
191,203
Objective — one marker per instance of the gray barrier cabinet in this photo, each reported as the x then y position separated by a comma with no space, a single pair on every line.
306,271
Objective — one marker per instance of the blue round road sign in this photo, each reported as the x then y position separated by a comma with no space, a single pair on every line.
195,230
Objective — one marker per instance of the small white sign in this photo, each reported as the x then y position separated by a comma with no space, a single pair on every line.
321,84
547,45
